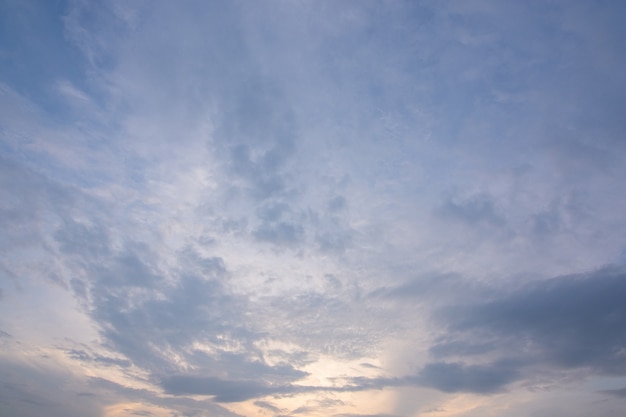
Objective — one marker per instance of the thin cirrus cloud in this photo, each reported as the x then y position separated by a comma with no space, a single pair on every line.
312,208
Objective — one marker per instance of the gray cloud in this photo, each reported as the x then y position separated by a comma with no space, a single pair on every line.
460,348
223,390
268,406
456,377
493,337
226,391
474,210
141,413
181,404
279,224
85,356
40,387
565,323
258,136
364,415
194,309
620,393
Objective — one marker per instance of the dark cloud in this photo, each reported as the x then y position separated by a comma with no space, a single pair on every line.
280,225
497,336
245,365
83,240
146,313
35,389
129,269
148,318
364,415
268,406
474,210
193,309
620,393
255,379
460,348
457,377
183,404
265,131
369,365
569,322
85,356
223,390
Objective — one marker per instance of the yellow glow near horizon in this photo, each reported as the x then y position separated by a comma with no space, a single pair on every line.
325,372
319,404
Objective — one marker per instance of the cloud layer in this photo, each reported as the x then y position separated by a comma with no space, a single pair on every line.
312,208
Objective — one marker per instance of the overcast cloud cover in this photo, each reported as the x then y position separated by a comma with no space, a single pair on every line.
312,208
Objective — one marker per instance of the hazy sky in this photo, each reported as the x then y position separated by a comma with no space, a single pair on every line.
312,208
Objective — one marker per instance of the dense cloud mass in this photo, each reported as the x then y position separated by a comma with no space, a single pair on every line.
569,322
312,208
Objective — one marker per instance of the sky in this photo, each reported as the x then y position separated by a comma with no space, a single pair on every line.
312,208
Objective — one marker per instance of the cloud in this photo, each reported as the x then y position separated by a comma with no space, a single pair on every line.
280,233
140,324
223,390
620,393
42,387
306,199
441,285
268,406
364,415
570,322
456,377
172,404
491,338
89,357
474,210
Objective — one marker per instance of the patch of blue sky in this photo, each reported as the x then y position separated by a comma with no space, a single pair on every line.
35,55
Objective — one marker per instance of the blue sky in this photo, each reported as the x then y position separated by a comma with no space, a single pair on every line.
312,208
